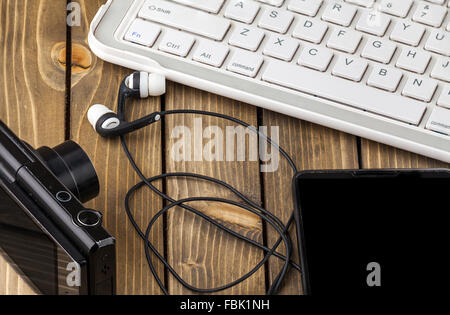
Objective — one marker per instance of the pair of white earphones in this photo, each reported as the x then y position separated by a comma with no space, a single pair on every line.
139,84
109,124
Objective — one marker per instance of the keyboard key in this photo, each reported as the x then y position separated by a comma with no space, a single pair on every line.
212,6
242,10
429,14
350,68
363,3
276,20
385,78
176,43
180,17
245,63
339,13
276,3
307,7
143,33
379,50
408,33
281,47
441,69
246,37
373,22
437,1
439,120
421,89
398,8
413,60
448,25
310,30
439,42
444,99
344,40
315,57
211,53
344,91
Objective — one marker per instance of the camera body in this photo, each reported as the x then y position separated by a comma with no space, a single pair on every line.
58,245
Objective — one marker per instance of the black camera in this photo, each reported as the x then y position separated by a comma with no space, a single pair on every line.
58,245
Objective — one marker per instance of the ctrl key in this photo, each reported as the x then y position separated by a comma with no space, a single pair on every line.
245,63
439,120
176,43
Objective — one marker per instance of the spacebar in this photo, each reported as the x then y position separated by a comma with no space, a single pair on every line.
345,92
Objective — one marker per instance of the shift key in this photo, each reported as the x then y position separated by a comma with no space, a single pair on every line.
184,18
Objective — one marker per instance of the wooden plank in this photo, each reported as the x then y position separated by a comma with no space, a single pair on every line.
377,155
32,83
311,147
98,82
11,282
204,256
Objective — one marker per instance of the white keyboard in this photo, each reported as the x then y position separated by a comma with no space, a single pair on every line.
375,68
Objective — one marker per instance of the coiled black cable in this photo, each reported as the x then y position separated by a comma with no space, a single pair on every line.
251,206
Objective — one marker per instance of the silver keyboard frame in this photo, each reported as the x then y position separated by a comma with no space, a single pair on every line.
106,41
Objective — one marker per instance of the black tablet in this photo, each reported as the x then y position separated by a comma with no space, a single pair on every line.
381,231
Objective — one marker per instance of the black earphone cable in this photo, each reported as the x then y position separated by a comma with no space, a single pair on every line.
248,205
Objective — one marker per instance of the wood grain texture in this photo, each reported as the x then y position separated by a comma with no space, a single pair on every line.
311,147
204,256
31,84
32,96
11,282
99,83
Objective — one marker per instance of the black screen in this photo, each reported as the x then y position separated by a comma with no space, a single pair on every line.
27,246
399,223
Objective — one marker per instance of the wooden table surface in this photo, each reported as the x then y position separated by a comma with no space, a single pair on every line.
45,102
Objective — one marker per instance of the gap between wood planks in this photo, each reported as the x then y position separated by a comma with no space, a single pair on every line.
68,91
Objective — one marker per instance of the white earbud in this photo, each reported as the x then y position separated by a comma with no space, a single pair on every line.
98,111
149,84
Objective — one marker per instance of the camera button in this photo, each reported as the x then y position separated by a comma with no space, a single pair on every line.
89,218
63,196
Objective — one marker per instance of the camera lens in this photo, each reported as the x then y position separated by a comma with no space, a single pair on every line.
73,168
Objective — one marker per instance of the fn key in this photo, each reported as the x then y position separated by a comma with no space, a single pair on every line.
143,33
